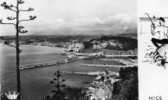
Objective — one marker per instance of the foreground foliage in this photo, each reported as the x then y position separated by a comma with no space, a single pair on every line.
62,92
127,87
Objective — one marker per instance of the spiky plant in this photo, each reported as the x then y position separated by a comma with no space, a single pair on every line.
16,22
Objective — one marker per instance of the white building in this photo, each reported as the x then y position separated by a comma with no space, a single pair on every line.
100,45
97,46
102,89
76,47
104,44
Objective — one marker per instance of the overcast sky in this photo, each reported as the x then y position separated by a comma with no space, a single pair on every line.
54,15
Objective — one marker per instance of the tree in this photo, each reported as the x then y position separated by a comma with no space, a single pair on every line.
59,85
64,92
16,22
127,87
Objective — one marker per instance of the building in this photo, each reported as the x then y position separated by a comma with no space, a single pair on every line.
100,45
76,47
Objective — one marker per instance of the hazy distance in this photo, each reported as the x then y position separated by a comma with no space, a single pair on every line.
57,17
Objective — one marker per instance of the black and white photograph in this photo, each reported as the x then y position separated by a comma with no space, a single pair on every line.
70,49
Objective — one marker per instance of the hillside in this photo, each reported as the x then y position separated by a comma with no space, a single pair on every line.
115,42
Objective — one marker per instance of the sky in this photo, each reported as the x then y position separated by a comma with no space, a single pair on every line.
76,16
154,7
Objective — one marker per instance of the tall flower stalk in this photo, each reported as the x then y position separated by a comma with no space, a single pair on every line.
16,22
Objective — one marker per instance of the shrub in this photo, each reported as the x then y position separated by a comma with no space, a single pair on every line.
63,92
127,87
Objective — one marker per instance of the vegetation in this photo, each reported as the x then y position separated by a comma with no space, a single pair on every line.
50,38
127,87
127,43
124,88
20,29
62,92
3,97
